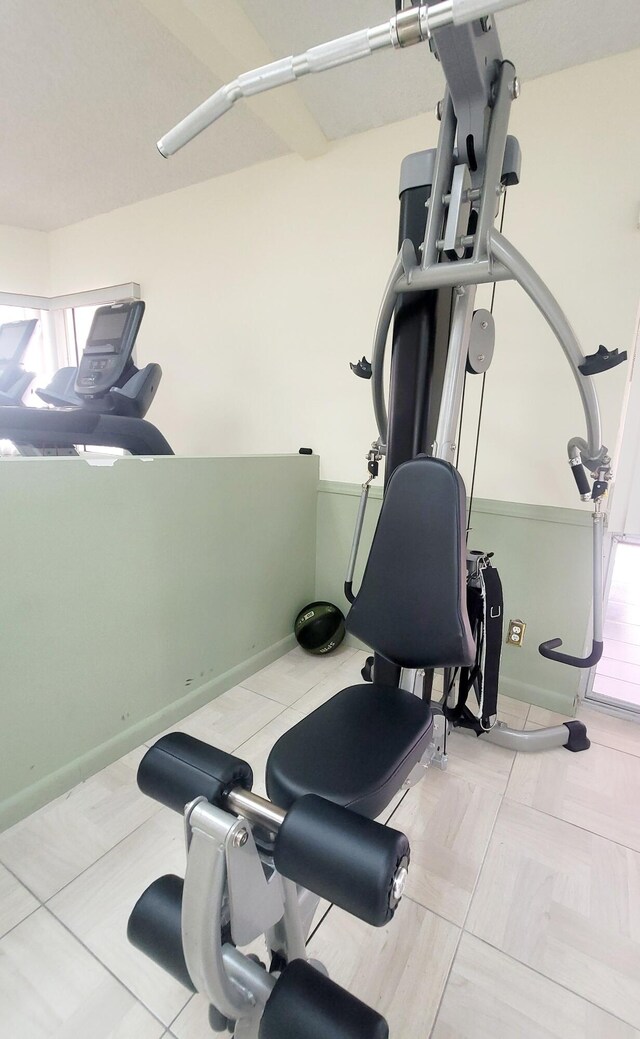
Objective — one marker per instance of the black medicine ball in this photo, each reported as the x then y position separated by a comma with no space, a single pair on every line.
319,627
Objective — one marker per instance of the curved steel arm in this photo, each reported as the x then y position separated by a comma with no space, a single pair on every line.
506,262
505,253
591,452
412,25
404,262
549,649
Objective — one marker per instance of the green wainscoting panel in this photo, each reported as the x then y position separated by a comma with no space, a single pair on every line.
544,558
132,594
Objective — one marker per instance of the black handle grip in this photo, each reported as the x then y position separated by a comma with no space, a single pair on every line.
306,1004
179,768
342,856
348,591
548,650
581,478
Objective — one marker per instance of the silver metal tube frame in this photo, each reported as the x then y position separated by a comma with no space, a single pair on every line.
405,28
204,888
255,809
504,263
507,255
357,534
453,384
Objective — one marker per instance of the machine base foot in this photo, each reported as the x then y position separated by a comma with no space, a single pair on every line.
367,670
578,739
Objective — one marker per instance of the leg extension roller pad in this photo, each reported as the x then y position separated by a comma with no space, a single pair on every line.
355,862
179,768
306,1005
155,927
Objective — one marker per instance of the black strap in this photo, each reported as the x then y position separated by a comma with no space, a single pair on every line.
471,676
493,613
485,609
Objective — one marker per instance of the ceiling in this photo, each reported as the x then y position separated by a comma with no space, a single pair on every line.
88,86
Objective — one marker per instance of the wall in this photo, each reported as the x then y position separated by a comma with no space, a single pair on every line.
542,555
262,285
24,261
133,594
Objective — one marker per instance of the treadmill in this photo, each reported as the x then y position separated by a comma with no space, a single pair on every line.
101,403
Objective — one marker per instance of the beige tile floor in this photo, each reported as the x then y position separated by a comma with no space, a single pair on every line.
521,919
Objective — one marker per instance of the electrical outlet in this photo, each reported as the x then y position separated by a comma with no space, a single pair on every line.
515,636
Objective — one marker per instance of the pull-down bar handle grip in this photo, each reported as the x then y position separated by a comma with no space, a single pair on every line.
549,650
407,27
328,55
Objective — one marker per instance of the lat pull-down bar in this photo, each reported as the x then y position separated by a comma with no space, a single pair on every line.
406,28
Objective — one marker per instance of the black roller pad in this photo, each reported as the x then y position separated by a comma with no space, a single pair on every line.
179,768
155,927
342,856
307,1005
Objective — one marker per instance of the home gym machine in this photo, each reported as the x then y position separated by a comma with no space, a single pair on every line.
15,337
439,338
101,403
256,866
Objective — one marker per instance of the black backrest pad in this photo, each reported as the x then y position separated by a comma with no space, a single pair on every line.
411,607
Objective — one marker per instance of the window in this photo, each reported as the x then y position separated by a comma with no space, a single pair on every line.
77,325
42,356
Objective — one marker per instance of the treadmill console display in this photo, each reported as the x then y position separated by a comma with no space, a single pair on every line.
108,326
106,361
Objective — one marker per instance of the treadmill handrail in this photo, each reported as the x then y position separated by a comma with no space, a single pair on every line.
42,428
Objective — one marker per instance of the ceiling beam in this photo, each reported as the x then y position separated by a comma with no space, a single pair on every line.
224,39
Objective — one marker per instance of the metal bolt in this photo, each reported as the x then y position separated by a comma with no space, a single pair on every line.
484,324
240,838
481,357
439,111
515,88
399,883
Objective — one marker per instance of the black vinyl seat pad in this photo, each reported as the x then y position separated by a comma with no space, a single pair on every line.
356,749
412,604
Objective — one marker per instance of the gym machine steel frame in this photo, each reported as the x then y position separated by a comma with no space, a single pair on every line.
461,249
466,178
444,264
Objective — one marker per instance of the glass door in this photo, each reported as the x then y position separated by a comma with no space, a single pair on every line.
617,676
